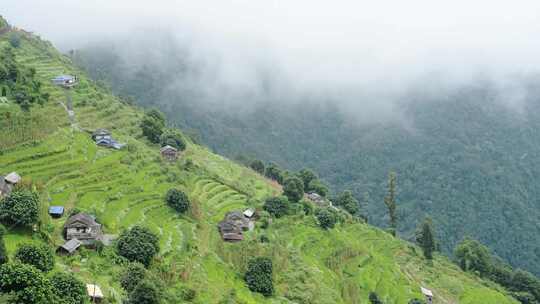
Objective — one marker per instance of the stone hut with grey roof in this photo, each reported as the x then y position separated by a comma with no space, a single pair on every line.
84,228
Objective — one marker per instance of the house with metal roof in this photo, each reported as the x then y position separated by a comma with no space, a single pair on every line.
94,292
69,247
12,178
56,211
82,227
66,81
234,224
7,183
428,294
169,153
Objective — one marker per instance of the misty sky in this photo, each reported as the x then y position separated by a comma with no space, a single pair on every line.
331,46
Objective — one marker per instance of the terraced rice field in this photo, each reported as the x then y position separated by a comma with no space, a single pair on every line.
126,188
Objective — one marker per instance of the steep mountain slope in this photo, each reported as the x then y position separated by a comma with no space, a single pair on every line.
124,188
466,156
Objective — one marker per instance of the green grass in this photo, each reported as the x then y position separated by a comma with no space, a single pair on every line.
126,188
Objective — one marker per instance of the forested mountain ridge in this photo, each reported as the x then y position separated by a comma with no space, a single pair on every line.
465,155
61,165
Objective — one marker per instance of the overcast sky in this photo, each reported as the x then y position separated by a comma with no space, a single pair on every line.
335,45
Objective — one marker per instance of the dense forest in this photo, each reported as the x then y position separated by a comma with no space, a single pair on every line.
464,156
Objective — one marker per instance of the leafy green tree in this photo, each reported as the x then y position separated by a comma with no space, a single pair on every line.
21,208
278,206
347,201
157,115
327,218
374,298
144,293
26,284
259,276
178,200
152,125
138,244
68,289
274,172
524,281
471,255
306,175
15,40
132,275
293,189
173,138
318,187
425,237
3,252
257,166
39,256
390,202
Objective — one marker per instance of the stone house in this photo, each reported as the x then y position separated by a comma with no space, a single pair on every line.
84,228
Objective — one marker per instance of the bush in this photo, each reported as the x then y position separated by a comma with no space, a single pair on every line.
327,218
138,244
144,293
173,138
257,166
259,276
277,206
152,125
25,283
347,201
68,289
293,189
39,256
178,200
132,275
3,252
15,40
374,298
21,208
273,172
416,301
307,176
473,256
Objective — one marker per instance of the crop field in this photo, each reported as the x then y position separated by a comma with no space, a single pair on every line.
127,187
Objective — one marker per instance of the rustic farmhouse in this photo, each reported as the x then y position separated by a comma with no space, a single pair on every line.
169,153
235,222
66,81
103,138
82,227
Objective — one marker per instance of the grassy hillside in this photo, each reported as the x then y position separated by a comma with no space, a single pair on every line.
465,156
124,188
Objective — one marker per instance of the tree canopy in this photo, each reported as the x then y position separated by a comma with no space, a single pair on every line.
425,237
278,206
173,138
326,217
293,189
132,275
21,208
259,276
26,284
178,200
39,256
68,289
138,244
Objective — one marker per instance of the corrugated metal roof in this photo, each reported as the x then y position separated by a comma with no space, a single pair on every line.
56,210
